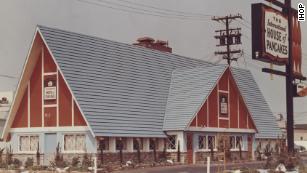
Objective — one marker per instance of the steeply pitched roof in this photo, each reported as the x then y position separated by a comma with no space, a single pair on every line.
188,91
122,89
259,109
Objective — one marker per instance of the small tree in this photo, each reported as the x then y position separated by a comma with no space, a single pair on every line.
9,155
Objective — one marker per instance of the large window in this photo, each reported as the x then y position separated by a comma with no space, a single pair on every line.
28,143
74,142
205,142
171,142
236,142
121,143
104,143
153,143
137,142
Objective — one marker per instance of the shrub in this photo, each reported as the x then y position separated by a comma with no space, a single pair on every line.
17,163
9,156
58,159
29,162
75,161
87,161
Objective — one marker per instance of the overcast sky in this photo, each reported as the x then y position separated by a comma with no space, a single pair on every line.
189,32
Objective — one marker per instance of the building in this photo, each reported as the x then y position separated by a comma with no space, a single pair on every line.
300,128
85,93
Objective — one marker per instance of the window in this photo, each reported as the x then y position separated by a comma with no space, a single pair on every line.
211,142
137,142
236,142
28,143
302,138
121,143
74,142
153,143
202,142
104,144
171,142
223,105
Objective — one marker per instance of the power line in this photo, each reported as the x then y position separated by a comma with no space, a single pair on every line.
167,10
8,76
115,6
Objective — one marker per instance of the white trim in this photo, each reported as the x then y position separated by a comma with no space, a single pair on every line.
223,91
5,129
29,104
223,118
57,98
218,104
229,112
50,129
43,78
72,112
73,151
213,129
49,73
238,111
50,106
52,56
18,143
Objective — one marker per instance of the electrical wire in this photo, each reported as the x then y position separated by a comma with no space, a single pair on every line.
129,9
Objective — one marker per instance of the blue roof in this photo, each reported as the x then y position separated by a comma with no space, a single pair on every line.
123,89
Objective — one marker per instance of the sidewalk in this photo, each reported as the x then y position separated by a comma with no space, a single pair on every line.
198,168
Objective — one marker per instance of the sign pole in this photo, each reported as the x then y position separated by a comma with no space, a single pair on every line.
289,83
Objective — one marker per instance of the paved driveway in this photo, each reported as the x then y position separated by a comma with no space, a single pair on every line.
191,168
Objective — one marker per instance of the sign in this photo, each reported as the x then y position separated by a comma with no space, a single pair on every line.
50,90
270,41
223,105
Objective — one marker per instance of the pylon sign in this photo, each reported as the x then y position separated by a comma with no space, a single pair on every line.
270,37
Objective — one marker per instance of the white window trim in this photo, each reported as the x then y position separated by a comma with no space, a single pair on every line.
176,144
18,146
242,147
142,143
72,151
207,149
124,151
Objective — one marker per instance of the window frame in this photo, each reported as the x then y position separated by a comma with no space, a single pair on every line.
207,149
236,148
106,140
73,151
125,144
141,144
29,136
156,144
175,143
225,95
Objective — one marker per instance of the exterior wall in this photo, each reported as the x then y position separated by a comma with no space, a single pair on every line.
209,115
14,143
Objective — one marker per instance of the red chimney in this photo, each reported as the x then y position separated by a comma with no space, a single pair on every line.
152,44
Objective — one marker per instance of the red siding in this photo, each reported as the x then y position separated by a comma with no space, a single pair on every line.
202,116
36,95
78,119
21,118
223,83
50,118
49,65
65,104
213,113
233,101
224,123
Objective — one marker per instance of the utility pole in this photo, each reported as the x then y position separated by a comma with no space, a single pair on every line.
289,82
228,37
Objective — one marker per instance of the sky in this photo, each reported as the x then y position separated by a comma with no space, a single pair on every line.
189,32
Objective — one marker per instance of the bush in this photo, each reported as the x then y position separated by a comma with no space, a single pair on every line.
87,161
29,162
17,163
75,161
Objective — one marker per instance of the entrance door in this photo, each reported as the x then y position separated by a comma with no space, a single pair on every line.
49,147
190,148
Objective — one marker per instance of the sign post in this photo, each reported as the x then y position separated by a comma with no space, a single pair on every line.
276,39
